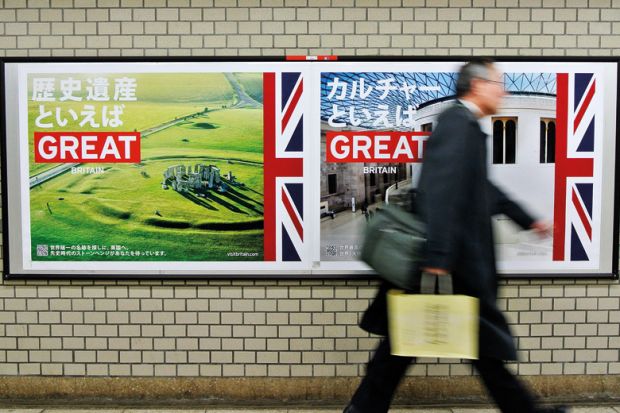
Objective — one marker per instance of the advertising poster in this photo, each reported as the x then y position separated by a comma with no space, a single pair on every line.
549,148
274,168
164,166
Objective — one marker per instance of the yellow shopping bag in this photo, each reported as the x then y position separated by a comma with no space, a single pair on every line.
428,325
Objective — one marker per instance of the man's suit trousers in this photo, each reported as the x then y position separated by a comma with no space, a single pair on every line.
385,372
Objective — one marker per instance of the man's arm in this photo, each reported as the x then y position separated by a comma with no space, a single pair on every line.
501,204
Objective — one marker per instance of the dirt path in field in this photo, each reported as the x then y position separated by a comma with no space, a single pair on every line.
245,100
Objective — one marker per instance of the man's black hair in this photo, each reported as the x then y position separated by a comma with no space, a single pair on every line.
475,68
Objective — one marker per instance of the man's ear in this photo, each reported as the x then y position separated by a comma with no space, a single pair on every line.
475,86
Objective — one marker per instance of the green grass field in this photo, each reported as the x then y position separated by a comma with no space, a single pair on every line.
253,84
127,206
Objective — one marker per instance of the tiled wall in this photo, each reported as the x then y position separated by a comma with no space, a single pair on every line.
288,328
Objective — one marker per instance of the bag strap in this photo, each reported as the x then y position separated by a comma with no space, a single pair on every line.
429,281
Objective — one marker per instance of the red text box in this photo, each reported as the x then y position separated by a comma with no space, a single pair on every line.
96,147
375,147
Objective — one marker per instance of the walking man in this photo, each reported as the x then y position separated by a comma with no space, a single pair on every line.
456,200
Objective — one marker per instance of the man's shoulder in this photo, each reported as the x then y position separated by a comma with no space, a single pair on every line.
456,111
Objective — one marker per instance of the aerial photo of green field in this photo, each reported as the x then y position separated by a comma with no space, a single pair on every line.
196,195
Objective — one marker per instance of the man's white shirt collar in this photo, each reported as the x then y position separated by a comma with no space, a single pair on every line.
474,109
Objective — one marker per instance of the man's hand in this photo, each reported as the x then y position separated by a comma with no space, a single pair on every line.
542,228
436,271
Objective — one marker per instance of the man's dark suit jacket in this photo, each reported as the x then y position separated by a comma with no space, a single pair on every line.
456,200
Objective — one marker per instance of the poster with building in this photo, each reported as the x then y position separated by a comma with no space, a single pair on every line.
548,148
174,166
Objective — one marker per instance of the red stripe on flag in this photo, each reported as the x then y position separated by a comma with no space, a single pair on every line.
269,180
559,208
584,106
292,214
582,215
292,104
564,168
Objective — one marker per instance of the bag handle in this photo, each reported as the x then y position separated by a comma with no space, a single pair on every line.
429,281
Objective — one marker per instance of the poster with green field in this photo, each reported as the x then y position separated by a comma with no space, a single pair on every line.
149,166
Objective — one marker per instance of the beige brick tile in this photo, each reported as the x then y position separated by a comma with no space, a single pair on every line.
74,15
106,330
564,330
541,330
263,13
164,343
596,342
165,370
529,369
540,355
156,357
553,316
577,28
179,28
278,370
597,317
429,14
448,41
608,330
296,344
585,355
585,329
521,14
333,14
596,368
438,370
436,27
610,303
461,369
551,369
495,14
575,342
373,41
96,343
607,355
588,14
277,318
460,27
143,370
563,356
357,14
23,317
483,27
190,14
575,316
300,318
30,369
529,343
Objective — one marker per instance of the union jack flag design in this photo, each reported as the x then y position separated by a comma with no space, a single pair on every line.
283,159
577,106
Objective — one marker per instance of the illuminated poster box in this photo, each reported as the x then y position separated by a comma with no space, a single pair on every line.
270,168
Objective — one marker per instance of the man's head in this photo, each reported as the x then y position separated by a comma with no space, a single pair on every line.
481,83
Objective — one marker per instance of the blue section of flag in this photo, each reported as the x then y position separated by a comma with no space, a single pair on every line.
297,195
288,84
587,142
577,252
289,253
582,80
296,144
586,192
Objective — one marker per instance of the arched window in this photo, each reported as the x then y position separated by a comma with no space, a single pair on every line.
547,140
504,140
